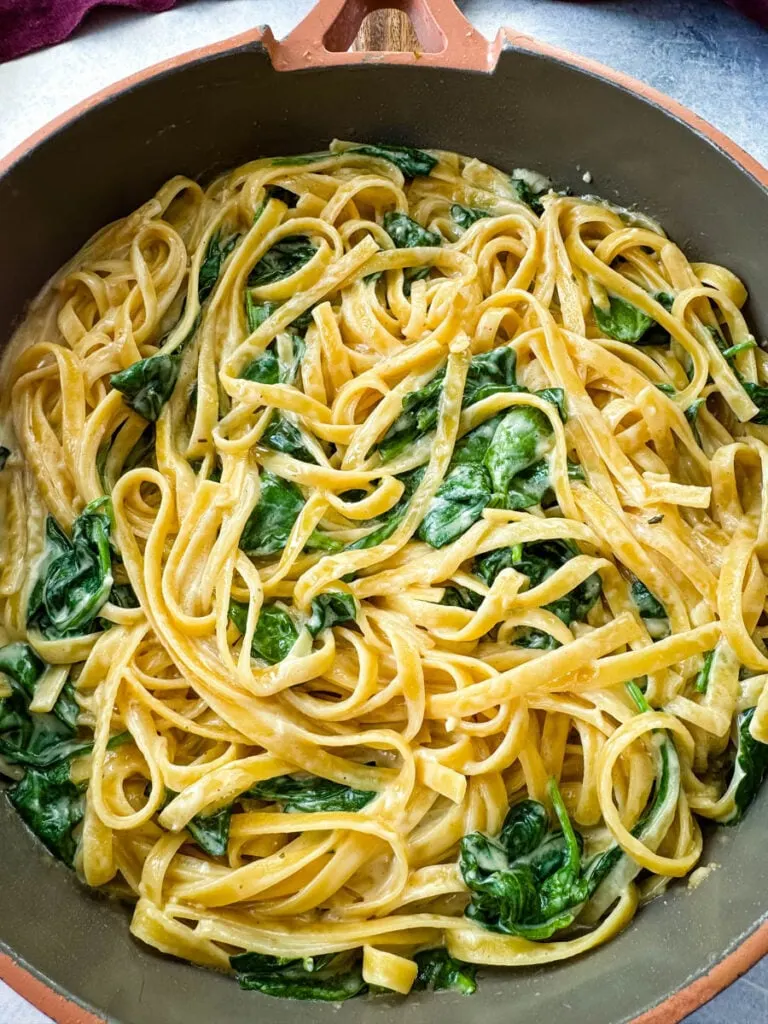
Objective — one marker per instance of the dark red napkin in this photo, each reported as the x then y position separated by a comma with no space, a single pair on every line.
29,24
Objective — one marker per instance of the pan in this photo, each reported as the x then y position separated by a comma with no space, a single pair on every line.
513,103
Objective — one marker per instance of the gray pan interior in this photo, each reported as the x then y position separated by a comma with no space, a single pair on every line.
532,112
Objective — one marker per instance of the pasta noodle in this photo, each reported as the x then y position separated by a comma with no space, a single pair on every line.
382,568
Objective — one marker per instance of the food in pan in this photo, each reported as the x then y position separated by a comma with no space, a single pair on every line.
382,568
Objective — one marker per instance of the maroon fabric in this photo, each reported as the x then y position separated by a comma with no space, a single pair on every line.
29,24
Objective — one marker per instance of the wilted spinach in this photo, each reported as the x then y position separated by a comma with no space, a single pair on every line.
52,806
283,194
332,977
210,831
331,609
702,678
285,257
648,605
148,384
270,523
275,632
411,162
538,561
529,881
406,233
489,373
759,396
625,322
526,194
455,596
389,522
310,794
749,769
466,216
34,738
75,576
438,970
210,268
458,503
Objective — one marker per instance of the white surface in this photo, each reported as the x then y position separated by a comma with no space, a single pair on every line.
702,53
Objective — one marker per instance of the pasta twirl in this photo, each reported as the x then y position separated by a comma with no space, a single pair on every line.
382,568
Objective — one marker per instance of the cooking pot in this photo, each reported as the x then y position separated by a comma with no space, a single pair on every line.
513,103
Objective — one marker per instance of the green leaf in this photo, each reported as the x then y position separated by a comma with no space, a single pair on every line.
283,194
37,739
148,384
622,320
489,373
75,577
466,216
122,595
648,605
331,609
4,453
284,436
528,882
300,159
461,597
255,314
331,977
438,971
412,162
275,633
388,523
52,806
749,768
525,194
210,268
269,525
407,233
459,502
702,679
310,794
743,346
211,831
538,561
283,259
759,396
521,440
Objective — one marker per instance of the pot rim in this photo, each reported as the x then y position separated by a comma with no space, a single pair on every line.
25,979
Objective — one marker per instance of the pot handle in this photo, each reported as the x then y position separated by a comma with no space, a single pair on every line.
323,38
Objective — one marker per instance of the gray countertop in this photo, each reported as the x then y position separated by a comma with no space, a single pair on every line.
700,52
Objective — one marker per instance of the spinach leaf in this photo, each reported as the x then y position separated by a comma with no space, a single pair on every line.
466,216
749,769
525,194
759,396
122,595
692,415
76,575
538,561
52,806
388,523
438,970
34,738
648,605
458,503
143,452
148,384
255,314
622,320
275,632
743,346
283,259
284,436
331,609
269,525
210,831
330,977
406,233
412,162
300,159
461,597
210,268
529,881
489,373
702,679
310,794
533,486
278,192
519,442
4,453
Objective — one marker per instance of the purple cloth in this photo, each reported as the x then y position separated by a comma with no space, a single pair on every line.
29,24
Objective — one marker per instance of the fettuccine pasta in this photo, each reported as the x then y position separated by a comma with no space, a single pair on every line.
381,575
